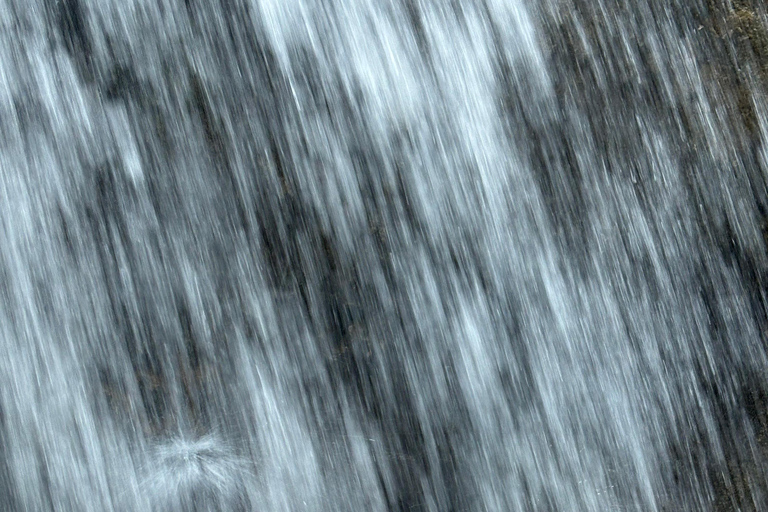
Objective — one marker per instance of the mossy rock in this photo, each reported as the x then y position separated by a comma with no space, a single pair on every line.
748,26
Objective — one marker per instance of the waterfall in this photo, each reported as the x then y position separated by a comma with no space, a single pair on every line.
383,255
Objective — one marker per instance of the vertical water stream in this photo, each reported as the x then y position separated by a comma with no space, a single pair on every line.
385,255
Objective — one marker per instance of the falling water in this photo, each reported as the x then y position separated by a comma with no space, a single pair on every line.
383,255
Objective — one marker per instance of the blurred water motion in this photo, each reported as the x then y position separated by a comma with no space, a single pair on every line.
394,255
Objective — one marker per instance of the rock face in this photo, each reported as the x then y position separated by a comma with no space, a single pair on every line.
408,255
